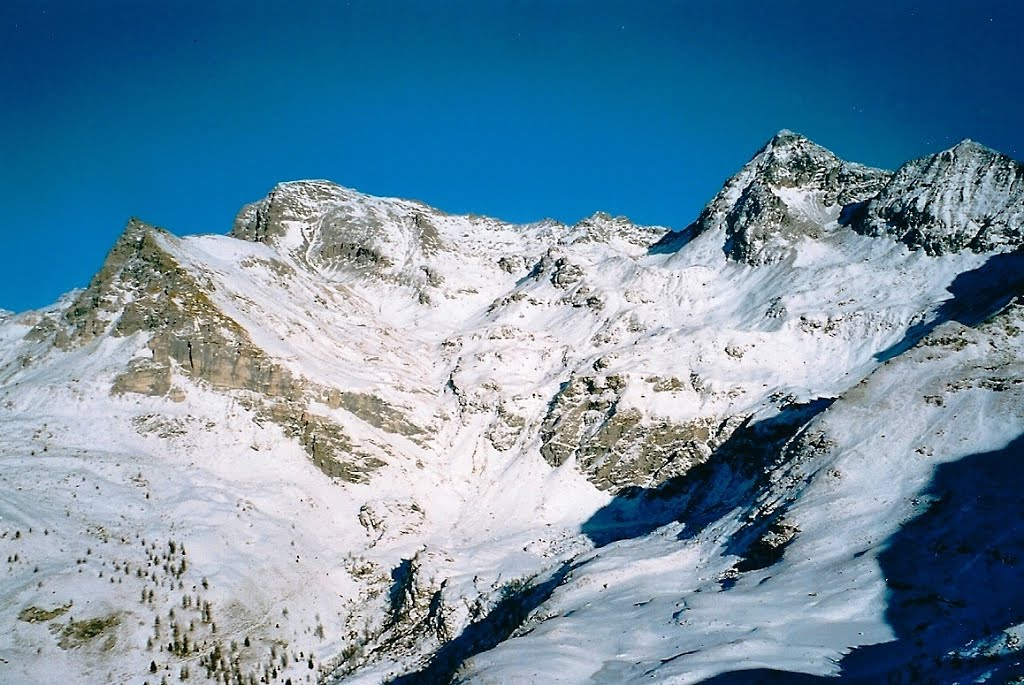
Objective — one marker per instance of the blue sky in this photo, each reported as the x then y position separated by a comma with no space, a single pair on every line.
181,111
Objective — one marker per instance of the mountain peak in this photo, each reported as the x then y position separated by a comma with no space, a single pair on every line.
974,152
778,195
792,160
289,203
303,183
788,149
968,146
135,229
786,137
967,197
316,190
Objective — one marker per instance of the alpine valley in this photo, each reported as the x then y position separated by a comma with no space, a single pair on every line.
359,440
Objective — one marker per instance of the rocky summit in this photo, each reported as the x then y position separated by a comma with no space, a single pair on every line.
361,440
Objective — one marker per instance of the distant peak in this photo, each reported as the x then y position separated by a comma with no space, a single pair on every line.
135,225
317,188
319,192
597,217
787,137
786,147
752,208
967,153
136,229
786,141
969,197
971,147
305,183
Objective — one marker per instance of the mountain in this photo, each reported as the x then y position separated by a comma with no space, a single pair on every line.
966,197
360,440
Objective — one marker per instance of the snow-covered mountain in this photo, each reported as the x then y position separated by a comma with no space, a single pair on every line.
360,440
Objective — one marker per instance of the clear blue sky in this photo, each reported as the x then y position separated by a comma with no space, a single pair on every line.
180,111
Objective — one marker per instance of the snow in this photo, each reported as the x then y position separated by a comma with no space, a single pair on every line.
651,607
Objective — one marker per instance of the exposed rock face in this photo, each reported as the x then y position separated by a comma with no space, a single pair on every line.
506,429
143,289
136,263
418,605
784,193
965,198
334,229
618,447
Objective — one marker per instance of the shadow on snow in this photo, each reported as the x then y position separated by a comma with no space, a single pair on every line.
709,490
673,241
736,471
953,577
977,295
484,634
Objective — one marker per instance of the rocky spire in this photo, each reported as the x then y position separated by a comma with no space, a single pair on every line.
756,207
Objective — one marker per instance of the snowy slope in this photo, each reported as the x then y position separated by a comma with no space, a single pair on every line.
361,440
704,595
